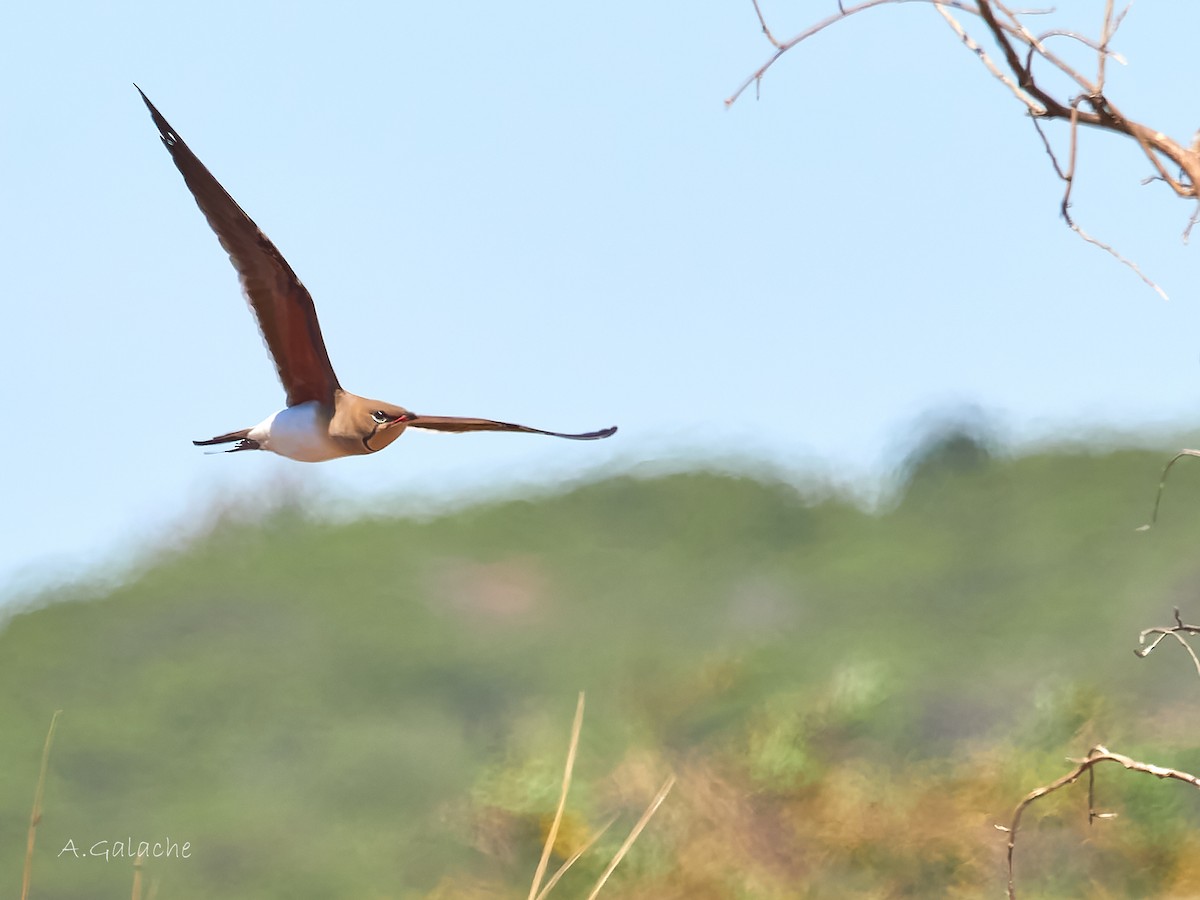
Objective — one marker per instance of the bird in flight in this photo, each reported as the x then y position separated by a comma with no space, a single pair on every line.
321,420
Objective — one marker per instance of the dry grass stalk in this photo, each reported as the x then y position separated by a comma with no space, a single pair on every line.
633,835
562,870
552,835
537,891
36,816
137,877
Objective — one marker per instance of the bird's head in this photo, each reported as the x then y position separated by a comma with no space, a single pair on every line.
373,424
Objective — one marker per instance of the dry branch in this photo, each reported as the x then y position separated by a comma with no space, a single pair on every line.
1020,48
1095,756
1177,631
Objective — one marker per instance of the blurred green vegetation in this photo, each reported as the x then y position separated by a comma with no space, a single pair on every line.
851,699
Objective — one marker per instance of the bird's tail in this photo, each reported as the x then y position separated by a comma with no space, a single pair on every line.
242,437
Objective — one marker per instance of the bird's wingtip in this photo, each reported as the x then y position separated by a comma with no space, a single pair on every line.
598,435
145,99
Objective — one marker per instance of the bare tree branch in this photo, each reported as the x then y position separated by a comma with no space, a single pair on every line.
844,12
1091,107
1096,755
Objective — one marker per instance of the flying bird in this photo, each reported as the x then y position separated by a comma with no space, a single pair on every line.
321,420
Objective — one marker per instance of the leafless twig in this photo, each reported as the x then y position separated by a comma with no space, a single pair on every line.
1177,631
1034,107
1095,756
1162,483
763,22
1187,232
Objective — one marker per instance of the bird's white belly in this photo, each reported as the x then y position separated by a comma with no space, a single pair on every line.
298,432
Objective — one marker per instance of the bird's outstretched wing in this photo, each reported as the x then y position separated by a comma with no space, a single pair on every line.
455,423
282,305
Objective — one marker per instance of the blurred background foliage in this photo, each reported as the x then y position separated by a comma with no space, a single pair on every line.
851,699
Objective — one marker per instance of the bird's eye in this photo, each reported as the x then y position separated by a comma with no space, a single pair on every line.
382,418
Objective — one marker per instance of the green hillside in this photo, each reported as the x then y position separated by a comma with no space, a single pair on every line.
851,700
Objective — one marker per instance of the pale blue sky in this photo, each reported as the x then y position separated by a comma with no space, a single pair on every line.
543,213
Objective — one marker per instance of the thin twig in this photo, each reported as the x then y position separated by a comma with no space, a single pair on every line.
1176,631
1121,16
1192,219
1069,177
1049,150
844,12
1035,108
1162,483
36,816
1123,260
1081,38
763,22
1106,33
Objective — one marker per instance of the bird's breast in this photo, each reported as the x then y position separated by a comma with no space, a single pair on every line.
299,432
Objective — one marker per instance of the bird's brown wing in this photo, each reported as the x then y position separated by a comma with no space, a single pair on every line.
282,305
454,423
